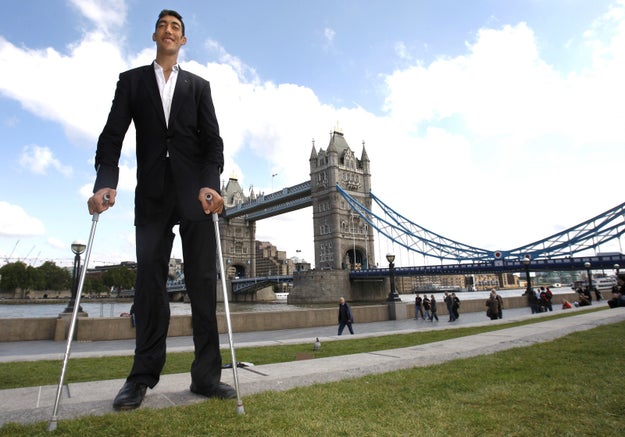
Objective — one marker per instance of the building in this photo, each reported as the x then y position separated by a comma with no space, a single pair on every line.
342,238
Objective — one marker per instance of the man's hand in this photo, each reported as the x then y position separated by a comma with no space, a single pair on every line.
101,200
216,202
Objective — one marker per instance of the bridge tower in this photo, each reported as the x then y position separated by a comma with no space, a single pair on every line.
238,236
342,238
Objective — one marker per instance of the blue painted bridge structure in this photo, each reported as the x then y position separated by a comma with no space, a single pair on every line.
565,250
499,266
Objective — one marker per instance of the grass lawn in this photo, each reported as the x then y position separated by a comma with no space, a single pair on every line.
570,386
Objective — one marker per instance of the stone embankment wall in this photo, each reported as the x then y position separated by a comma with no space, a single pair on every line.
117,328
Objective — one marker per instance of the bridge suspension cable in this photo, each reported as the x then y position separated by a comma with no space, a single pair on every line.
587,235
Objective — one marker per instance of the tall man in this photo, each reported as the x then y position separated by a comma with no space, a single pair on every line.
179,161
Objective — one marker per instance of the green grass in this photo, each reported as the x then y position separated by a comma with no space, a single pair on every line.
570,386
36,373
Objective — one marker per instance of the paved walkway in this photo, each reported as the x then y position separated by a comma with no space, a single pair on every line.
32,404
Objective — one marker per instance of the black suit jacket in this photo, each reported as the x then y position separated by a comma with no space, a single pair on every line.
173,162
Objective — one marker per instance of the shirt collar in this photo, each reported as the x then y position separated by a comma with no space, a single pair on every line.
157,67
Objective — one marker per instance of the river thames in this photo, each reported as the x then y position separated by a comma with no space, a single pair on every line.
115,309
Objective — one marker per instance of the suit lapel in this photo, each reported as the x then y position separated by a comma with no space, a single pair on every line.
181,93
152,88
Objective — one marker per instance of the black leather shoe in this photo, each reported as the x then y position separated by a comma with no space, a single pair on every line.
130,396
222,391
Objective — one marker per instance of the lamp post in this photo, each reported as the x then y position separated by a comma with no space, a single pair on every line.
526,263
531,297
392,295
78,247
589,275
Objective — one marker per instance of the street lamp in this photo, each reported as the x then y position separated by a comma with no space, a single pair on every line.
392,295
589,274
78,247
531,297
526,263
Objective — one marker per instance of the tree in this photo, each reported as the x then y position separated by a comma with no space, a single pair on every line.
122,278
54,277
95,285
35,279
14,276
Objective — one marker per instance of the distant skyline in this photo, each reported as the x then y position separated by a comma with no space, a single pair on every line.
491,123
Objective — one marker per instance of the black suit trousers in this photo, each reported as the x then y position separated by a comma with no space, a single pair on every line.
151,304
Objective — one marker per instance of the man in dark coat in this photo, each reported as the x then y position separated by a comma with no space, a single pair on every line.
345,317
179,161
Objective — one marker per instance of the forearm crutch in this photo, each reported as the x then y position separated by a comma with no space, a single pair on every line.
94,221
222,272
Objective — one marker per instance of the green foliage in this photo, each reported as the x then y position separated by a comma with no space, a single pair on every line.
47,276
14,276
95,285
121,278
54,277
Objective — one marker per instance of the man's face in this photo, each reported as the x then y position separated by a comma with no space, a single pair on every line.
168,35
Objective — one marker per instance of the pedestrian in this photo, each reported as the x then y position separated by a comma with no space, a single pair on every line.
494,305
449,303
455,306
542,300
179,155
345,317
418,307
533,300
598,295
549,297
433,308
426,307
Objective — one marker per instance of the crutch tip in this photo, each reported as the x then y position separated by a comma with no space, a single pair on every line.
52,425
240,409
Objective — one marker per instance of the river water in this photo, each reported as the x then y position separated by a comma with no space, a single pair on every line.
114,309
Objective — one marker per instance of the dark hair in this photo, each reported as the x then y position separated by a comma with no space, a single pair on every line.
172,13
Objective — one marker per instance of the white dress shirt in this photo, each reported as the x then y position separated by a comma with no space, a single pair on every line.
166,87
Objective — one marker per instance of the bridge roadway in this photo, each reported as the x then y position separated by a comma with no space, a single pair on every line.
268,205
243,286
498,266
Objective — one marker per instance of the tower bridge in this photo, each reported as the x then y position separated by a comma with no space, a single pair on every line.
266,206
344,222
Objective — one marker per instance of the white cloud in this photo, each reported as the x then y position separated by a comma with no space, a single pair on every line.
402,51
38,159
494,147
329,34
107,15
15,222
57,243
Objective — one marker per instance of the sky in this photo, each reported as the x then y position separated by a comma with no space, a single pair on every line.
495,124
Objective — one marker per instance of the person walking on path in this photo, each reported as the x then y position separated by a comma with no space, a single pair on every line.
426,307
549,296
345,317
433,308
493,305
455,306
448,303
418,307
179,155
